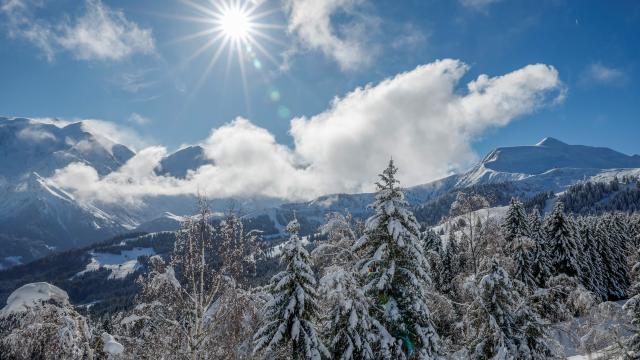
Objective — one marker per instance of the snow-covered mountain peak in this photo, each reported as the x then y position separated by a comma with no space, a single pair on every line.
552,154
28,146
551,142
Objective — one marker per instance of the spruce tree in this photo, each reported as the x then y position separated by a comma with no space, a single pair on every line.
619,242
289,317
432,242
535,342
515,223
615,278
397,274
523,256
561,236
491,317
448,267
350,331
592,267
541,260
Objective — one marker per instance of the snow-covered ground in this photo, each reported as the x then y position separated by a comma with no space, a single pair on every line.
120,265
496,213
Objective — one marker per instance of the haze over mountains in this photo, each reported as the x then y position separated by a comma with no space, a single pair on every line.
38,217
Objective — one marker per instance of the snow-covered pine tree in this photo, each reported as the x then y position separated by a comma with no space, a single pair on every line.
541,258
491,317
448,267
289,328
619,242
432,242
515,222
592,267
615,278
523,257
561,237
350,331
535,342
397,273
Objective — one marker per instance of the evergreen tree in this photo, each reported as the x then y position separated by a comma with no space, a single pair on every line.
350,331
535,343
620,242
515,224
448,267
397,273
615,278
432,242
523,256
592,267
561,235
491,317
541,260
289,317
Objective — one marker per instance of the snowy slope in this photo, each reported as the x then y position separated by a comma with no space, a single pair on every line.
549,159
37,217
119,265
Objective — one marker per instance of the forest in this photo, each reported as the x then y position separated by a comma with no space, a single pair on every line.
474,286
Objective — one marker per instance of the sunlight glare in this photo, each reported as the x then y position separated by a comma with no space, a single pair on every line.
235,24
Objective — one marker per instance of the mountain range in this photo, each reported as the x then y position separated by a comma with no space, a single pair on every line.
38,218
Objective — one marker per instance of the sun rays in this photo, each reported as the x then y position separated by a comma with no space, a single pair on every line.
235,29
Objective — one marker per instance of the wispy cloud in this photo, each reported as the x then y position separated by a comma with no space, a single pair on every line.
108,132
601,74
310,21
99,33
139,119
480,5
419,117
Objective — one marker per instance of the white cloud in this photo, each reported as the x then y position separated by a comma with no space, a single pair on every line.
100,33
35,135
105,34
598,73
106,132
114,133
311,22
421,118
139,119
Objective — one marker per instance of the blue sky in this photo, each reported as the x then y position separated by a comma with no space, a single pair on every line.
138,78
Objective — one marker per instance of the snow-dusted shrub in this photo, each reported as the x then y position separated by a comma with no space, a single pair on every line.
38,322
580,301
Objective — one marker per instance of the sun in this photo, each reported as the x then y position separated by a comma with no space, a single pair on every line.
235,24
236,28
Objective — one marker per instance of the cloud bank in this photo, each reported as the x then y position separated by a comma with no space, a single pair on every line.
99,33
422,118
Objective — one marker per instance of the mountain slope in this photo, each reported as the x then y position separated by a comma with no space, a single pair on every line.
36,217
